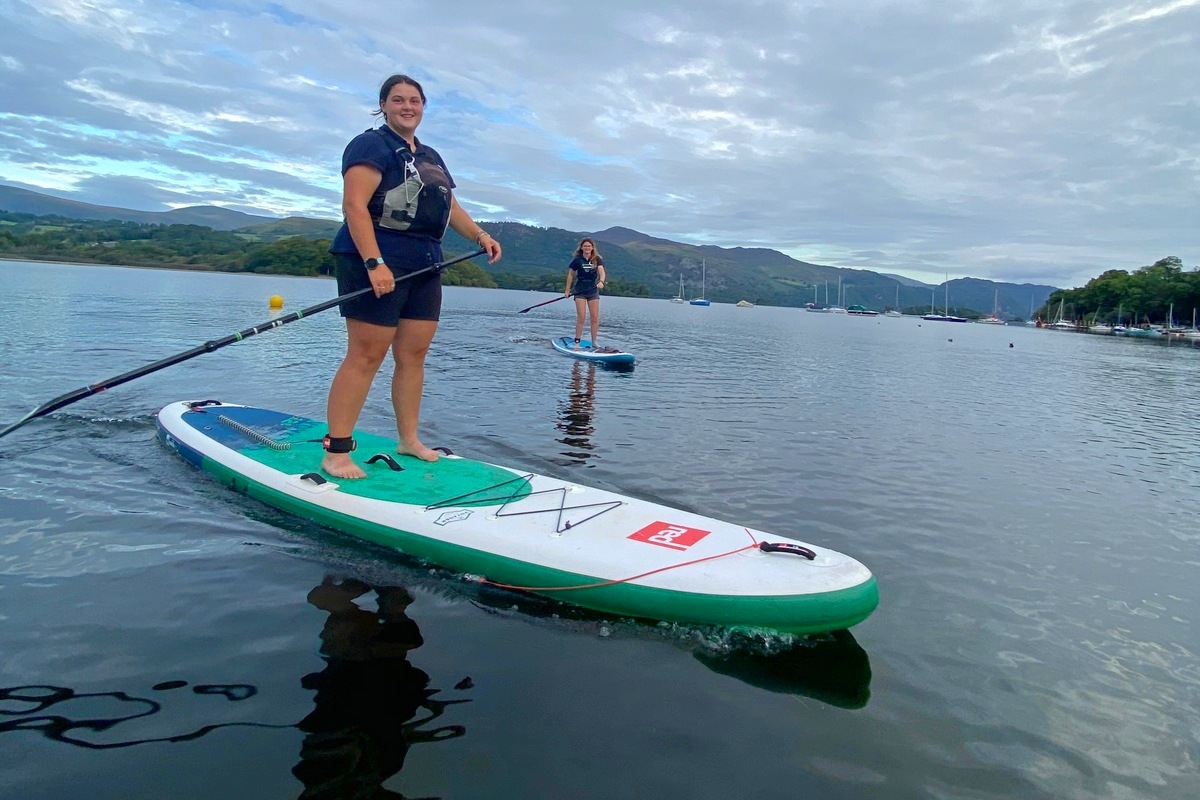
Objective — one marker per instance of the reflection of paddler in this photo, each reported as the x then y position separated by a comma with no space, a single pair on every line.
575,414
833,670
359,732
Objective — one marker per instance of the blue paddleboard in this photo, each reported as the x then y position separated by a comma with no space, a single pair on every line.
606,355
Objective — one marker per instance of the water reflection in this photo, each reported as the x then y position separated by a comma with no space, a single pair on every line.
834,669
371,704
575,413
62,714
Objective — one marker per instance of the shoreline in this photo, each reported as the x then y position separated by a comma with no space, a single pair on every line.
167,267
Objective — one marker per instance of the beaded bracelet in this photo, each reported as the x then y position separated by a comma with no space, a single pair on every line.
479,236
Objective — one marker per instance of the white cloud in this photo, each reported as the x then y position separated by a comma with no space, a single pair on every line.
1014,141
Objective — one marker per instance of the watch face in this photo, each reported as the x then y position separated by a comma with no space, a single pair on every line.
372,263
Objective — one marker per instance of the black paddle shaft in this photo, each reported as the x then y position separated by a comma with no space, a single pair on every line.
208,347
546,303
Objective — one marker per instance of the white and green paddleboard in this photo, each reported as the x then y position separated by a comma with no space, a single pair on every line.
529,532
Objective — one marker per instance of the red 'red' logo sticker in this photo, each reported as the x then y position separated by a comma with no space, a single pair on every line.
664,534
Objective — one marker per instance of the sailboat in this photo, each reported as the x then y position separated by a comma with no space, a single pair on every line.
838,309
814,305
994,317
1192,332
1171,329
1059,323
1119,328
1098,327
679,297
700,301
894,311
932,316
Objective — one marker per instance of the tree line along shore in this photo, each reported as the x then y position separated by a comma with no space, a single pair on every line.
1143,295
196,247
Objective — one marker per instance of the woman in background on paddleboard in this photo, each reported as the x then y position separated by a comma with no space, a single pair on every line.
397,201
586,271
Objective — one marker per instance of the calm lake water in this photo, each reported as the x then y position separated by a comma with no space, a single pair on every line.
1027,499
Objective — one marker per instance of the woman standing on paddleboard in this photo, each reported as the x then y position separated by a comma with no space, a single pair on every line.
397,200
587,273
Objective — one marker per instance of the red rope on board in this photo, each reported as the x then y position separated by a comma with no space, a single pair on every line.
753,545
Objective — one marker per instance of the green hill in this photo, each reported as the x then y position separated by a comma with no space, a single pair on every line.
760,275
307,227
25,201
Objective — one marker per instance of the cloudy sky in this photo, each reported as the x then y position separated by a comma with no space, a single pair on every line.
1017,140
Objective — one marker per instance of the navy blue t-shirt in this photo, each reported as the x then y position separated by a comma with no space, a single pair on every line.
586,274
411,207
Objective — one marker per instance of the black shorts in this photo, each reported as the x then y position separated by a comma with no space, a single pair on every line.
413,298
594,294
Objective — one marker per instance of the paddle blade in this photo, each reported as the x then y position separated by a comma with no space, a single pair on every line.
217,344
4,432
53,405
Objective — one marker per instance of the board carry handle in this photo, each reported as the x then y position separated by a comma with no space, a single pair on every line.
786,547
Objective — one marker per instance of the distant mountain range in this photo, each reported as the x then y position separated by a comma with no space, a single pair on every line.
730,274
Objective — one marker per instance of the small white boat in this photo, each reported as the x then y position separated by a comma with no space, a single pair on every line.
679,297
701,301
994,317
1060,324
1192,332
839,308
933,316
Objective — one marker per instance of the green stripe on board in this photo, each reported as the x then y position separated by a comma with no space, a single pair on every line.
420,483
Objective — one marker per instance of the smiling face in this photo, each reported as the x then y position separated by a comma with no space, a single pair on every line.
587,248
403,108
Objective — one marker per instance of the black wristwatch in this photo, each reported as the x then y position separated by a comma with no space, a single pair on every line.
372,263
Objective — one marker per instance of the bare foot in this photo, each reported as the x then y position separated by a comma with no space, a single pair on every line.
340,465
417,450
